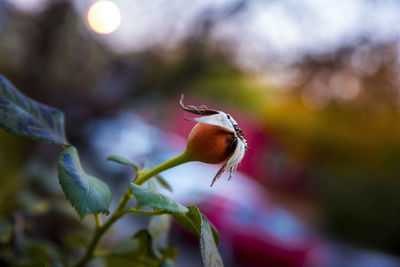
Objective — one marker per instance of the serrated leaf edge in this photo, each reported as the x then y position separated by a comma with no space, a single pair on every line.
81,216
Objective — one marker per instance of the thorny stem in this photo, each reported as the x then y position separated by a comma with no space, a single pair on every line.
120,212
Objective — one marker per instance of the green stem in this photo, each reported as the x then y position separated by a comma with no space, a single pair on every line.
144,212
97,220
183,158
102,229
120,212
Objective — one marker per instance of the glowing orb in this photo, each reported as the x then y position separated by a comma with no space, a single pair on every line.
104,17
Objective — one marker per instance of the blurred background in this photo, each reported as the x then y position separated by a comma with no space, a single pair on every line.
313,84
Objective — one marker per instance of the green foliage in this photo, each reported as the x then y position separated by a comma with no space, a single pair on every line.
138,250
122,161
86,193
191,221
196,223
141,250
23,116
158,228
147,197
209,250
163,183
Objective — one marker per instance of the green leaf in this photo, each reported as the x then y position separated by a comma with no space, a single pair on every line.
214,232
143,248
152,186
140,243
209,250
197,224
163,183
137,251
159,228
23,116
147,197
191,221
87,194
123,161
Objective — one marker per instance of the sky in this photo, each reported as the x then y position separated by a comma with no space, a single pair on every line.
263,32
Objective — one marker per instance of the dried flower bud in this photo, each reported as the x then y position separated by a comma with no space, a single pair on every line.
216,138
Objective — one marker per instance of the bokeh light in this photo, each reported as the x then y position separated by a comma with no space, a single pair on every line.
104,17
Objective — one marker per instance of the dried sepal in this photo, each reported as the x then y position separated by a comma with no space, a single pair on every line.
232,163
219,173
200,110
